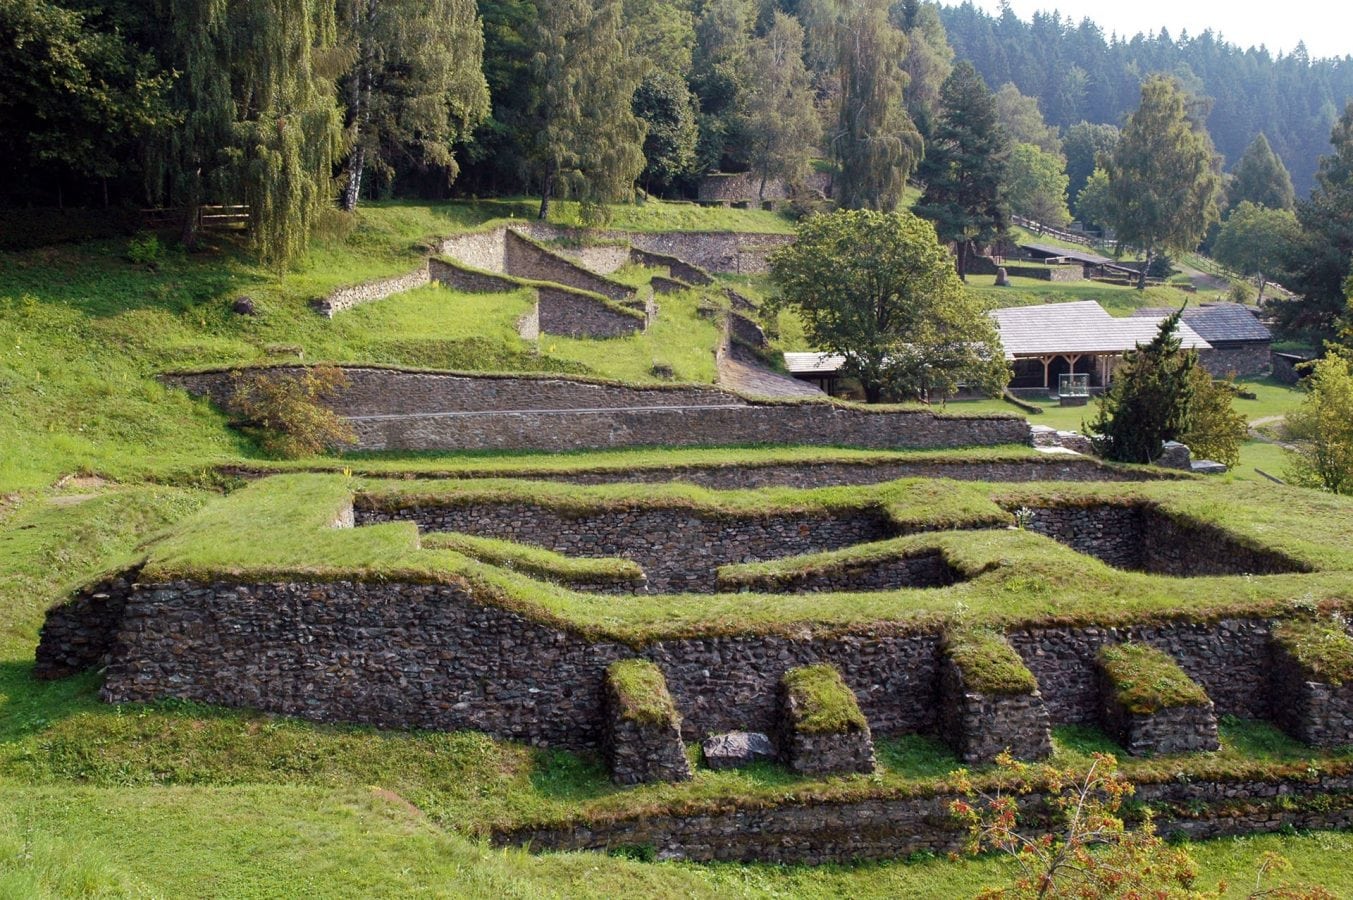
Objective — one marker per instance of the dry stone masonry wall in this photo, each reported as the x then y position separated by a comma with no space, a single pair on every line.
346,298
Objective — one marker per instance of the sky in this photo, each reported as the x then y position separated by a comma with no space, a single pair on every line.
1325,25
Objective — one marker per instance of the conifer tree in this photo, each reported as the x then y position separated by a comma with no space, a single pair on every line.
588,143
722,36
778,115
1150,398
417,86
261,123
1163,176
1261,178
875,144
965,166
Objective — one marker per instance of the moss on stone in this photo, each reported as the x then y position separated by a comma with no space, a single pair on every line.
1146,680
1320,646
988,663
640,691
823,702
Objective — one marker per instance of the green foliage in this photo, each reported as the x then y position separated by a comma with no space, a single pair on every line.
667,108
1149,401
1094,204
1023,121
879,289
723,33
825,703
1146,680
928,62
260,123
1035,186
641,690
1254,240
588,143
1084,145
287,411
874,142
1215,429
416,87
1318,265
1321,647
144,250
1163,175
988,663
1322,427
1261,178
777,112
964,166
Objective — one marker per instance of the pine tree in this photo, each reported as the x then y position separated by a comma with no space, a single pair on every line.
778,117
875,144
965,166
261,122
1163,176
588,142
1260,177
1150,398
416,88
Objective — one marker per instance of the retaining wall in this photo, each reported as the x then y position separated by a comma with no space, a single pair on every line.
355,295
577,315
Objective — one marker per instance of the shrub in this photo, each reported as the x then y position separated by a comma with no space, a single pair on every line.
285,411
1215,430
144,250
1322,427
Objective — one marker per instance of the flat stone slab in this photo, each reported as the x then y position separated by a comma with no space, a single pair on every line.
736,748
1208,467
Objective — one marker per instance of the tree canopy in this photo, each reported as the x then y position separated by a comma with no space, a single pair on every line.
1261,178
965,165
1035,185
1163,178
777,111
1149,401
1322,427
879,289
1254,240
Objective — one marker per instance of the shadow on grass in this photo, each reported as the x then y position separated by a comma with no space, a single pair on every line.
28,706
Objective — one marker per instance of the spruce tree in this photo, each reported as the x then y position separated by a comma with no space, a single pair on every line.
875,144
417,86
261,122
1150,399
1261,178
1163,176
588,143
778,115
965,166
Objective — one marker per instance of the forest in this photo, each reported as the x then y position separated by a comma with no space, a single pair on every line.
285,110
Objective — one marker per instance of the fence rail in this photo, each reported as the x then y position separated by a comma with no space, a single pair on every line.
211,217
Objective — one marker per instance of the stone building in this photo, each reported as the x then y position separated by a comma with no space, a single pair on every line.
1240,344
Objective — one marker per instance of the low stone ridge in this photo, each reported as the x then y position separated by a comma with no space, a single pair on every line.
890,827
643,730
1140,537
676,268
824,732
746,331
989,702
662,285
1150,705
1313,682
879,573
346,298
736,749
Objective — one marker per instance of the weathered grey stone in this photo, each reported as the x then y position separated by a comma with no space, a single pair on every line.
1208,467
1174,455
736,749
980,726
1314,712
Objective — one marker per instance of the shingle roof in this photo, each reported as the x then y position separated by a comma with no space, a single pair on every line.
1080,256
812,363
1219,322
1079,327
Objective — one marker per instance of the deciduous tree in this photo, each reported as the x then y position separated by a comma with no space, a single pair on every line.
1083,146
1322,427
1163,176
1023,120
1215,430
874,142
588,143
879,289
416,88
965,166
1094,205
778,115
1254,240
1035,185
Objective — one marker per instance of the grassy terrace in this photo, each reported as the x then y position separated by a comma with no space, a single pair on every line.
277,527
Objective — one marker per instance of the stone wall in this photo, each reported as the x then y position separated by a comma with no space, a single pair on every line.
484,250
471,281
979,726
525,259
1240,360
662,285
746,330
678,549
571,314
355,295
1314,712
1141,538
79,633
676,268
924,570
892,827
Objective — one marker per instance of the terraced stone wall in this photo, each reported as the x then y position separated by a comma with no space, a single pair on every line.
524,259
355,295
577,315
679,550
